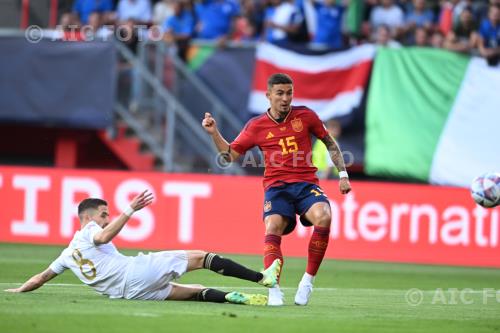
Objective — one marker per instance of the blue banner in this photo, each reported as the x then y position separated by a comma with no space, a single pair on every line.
61,84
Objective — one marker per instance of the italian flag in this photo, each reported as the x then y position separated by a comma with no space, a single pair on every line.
432,115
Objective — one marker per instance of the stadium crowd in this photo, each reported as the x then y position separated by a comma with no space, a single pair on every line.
457,25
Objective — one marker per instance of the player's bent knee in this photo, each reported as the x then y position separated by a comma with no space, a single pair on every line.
320,215
321,219
195,259
275,225
274,229
196,254
180,292
325,220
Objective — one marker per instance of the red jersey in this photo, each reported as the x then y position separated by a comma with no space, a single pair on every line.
286,146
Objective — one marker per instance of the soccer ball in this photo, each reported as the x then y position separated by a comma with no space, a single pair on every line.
485,189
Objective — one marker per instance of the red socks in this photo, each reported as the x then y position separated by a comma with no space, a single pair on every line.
272,249
317,248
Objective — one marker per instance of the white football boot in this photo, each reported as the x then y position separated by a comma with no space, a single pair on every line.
304,290
275,296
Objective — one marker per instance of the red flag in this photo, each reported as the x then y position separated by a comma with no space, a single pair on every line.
331,84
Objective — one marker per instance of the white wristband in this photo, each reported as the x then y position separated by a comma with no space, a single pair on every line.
129,211
343,174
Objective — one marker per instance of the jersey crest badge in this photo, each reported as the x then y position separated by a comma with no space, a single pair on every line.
297,125
270,135
267,206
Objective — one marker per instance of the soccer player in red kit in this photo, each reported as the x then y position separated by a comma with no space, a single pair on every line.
283,134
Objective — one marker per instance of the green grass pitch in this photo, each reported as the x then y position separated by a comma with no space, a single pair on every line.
348,297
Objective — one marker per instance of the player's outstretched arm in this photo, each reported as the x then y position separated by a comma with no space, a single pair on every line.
338,160
210,125
112,229
35,282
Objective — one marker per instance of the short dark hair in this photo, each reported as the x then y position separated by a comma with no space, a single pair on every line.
278,78
90,203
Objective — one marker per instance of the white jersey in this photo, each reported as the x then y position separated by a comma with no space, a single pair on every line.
101,267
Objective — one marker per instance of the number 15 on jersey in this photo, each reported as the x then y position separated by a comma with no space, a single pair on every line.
288,145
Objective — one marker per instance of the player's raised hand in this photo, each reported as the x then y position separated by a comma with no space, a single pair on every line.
344,185
209,123
142,200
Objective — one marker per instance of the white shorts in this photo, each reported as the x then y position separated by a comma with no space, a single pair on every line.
150,275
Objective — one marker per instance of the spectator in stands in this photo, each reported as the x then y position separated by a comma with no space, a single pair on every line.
480,8
88,12
383,37
418,17
437,39
435,7
464,36
449,15
367,31
354,18
389,14
248,25
179,28
328,24
137,11
489,39
216,19
133,17
162,10
421,37
244,29
70,27
307,24
281,20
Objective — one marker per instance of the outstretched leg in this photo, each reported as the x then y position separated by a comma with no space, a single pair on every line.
228,267
197,292
184,292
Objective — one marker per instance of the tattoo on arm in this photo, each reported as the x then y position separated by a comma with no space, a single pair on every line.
334,151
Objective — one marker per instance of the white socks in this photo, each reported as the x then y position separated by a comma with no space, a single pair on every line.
308,278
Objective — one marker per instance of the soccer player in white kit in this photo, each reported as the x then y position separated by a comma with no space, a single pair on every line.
93,258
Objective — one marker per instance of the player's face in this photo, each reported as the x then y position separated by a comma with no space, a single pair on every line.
101,216
280,96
